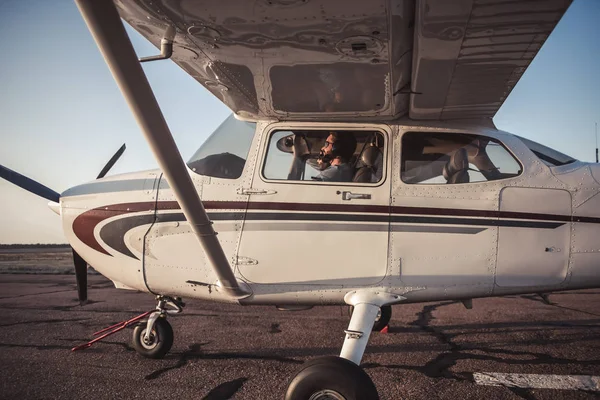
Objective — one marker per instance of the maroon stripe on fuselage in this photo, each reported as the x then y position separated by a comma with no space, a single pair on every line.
84,224
316,207
363,208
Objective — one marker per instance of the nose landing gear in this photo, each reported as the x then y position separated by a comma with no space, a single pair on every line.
155,343
153,338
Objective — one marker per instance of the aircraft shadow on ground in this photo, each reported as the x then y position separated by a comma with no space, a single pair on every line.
225,390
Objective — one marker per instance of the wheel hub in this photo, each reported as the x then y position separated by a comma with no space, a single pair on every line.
150,342
327,394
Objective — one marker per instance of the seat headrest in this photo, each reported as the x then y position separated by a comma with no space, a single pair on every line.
459,161
369,156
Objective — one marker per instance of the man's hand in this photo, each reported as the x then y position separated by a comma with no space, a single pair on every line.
300,146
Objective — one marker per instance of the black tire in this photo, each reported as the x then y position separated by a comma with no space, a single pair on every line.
384,318
161,339
331,378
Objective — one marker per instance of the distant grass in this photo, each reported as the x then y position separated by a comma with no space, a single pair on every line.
36,259
41,270
34,246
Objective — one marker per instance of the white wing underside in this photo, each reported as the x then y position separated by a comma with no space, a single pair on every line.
352,60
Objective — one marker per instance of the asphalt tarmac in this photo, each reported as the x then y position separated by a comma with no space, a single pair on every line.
221,351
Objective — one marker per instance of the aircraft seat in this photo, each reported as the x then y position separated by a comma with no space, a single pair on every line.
457,169
369,165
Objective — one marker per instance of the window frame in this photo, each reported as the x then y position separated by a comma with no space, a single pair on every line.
407,130
546,158
384,130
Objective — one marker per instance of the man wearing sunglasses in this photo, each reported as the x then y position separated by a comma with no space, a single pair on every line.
334,158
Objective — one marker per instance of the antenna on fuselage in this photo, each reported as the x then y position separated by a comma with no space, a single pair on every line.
596,142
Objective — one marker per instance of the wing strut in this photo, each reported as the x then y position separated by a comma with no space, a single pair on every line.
106,27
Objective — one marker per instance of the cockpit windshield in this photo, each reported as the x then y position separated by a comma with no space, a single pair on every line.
224,153
549,156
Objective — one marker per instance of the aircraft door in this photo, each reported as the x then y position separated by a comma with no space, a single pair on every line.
539,254
174,261
306,229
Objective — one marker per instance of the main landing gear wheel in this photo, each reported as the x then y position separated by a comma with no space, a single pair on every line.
383,318
159,341
331,378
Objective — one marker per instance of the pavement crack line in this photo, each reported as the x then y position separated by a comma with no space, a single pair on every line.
552,304
440,366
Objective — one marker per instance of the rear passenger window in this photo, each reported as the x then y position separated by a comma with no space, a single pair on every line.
453,158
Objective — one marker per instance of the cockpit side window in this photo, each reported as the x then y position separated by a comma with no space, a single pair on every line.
453,158
328,156
224,153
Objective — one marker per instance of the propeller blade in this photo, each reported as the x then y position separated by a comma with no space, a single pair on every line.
81,277
28,184
112,162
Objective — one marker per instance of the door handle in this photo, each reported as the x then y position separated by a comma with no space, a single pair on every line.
255,191
349,195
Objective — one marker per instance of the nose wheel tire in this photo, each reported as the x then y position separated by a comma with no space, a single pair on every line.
159,341
383,318
331,378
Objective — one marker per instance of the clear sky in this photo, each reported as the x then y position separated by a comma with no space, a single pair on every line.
62,115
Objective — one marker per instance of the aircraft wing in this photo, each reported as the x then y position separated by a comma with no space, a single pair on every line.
334,59
470,54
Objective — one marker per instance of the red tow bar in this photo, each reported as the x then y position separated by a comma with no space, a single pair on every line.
111,330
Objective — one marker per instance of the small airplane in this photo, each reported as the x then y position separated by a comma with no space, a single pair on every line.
361,167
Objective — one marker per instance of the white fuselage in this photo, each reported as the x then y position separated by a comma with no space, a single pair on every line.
297,243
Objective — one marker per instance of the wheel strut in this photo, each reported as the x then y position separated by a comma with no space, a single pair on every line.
161,310
358,332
